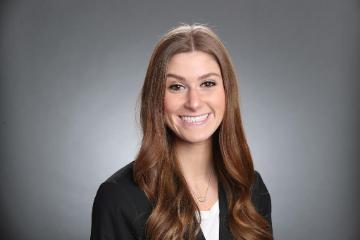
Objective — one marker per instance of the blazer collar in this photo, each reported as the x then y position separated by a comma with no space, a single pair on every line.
224,232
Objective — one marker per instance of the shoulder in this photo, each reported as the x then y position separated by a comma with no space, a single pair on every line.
120,191
120,207
259,186
123,178
260,197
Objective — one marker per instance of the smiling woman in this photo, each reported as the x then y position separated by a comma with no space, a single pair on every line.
194,102
193,177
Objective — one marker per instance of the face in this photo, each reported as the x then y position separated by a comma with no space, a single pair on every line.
194,102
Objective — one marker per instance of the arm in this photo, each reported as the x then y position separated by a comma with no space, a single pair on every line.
108,219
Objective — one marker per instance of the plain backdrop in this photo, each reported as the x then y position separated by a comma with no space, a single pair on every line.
71,73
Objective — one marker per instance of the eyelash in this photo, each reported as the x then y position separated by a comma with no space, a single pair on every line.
171,87
211,82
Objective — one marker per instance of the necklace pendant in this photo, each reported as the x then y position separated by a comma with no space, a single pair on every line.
201,199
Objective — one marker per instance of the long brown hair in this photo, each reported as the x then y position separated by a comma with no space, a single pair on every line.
156,170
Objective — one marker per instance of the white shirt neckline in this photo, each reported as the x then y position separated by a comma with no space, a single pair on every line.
210,222
211,212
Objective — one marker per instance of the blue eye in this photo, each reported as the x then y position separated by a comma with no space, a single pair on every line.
175,87
208,84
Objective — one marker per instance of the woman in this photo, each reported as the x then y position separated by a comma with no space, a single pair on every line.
193,177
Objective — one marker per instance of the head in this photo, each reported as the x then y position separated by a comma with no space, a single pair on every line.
173,90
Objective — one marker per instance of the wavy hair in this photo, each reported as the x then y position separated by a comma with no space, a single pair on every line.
156,170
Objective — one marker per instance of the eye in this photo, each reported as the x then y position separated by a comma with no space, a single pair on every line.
209,84
175,87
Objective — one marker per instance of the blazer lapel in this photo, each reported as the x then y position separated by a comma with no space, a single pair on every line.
224,232
200,235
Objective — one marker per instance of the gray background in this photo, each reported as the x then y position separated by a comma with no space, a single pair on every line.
71,72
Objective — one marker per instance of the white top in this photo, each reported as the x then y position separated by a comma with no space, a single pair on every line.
210,222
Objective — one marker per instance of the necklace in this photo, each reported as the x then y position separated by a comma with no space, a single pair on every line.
203,199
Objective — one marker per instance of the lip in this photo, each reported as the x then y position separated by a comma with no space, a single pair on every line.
194,123
193,115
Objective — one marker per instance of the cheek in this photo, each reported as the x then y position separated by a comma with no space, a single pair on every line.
223,103
170,110
220,101
169,106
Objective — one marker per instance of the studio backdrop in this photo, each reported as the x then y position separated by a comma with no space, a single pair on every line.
71,73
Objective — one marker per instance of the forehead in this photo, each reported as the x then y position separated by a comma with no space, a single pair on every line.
193,64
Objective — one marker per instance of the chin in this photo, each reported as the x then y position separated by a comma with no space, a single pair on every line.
195,139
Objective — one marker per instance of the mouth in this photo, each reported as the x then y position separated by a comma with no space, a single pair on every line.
195,120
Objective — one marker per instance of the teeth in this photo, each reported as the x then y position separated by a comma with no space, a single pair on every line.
194,119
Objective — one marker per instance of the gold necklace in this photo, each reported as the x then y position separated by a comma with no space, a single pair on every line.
203,199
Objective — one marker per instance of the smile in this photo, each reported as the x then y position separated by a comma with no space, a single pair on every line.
200,119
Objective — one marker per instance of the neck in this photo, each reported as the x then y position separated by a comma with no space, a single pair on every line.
195,159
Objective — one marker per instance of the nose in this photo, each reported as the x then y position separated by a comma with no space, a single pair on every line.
193,100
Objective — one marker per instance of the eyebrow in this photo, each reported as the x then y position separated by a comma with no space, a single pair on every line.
201,77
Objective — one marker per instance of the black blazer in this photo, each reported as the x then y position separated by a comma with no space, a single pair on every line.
121,208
